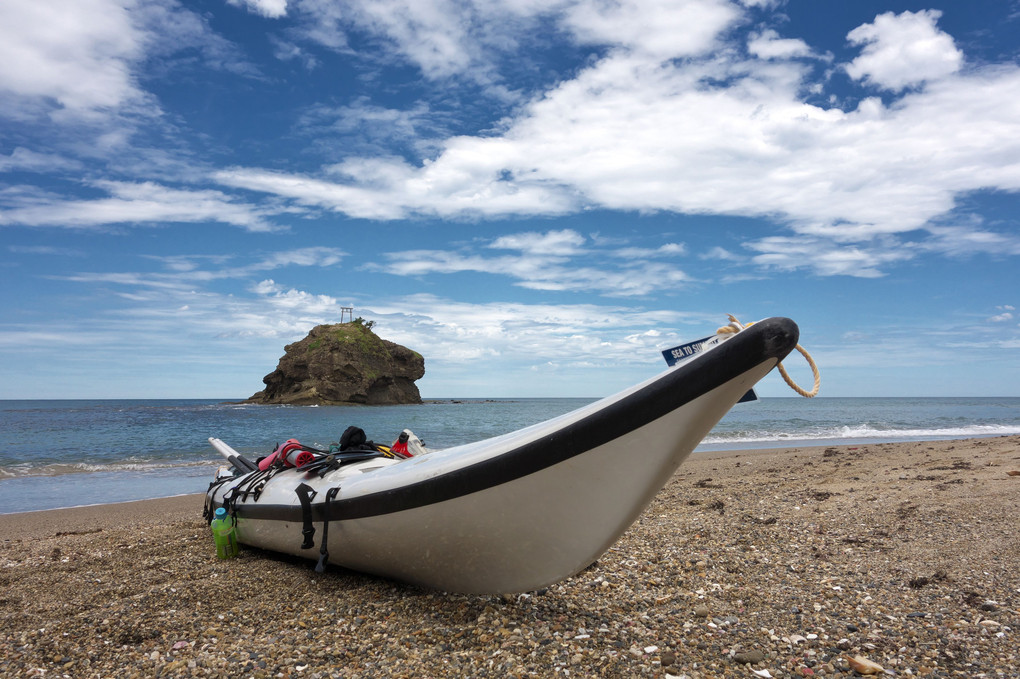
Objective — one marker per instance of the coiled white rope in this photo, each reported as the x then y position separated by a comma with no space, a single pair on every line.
736,326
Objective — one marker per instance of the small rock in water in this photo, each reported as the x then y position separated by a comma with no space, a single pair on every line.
702,611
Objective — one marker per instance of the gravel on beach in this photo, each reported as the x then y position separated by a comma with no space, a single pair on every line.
890,559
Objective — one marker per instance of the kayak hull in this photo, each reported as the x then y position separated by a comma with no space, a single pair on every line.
520,511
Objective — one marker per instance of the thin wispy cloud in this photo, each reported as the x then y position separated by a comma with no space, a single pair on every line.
25,160
557,260
129,203
182,272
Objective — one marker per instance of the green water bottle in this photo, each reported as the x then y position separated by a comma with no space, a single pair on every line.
224,535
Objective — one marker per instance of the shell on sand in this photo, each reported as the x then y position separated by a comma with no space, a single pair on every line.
864,666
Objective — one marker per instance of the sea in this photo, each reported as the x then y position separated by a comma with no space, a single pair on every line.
56,454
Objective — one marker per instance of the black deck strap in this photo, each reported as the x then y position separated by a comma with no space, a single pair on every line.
324,550
230,498
320,466
325,466
230,501
305,494
256,488
334,461
207,506
254,485
244,487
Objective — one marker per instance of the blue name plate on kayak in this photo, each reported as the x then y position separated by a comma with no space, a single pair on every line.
683,351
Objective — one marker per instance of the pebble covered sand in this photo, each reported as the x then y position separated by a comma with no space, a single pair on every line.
898,559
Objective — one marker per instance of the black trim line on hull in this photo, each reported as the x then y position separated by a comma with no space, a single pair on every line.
771,339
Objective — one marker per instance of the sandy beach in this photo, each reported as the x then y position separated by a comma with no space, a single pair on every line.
827,561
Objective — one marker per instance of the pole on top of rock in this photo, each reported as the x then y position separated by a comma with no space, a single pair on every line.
349,311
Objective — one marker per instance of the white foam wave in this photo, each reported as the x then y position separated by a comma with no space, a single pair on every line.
851,433
61,469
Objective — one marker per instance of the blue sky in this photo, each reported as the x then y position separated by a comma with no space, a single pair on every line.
538,196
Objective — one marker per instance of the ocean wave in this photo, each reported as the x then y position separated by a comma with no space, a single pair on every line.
23,470
865,431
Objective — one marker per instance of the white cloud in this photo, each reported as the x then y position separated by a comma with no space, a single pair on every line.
763,4
466,39
46,251
74,76
22,159
138,282
441,37
131,203
660,29
174,308
555,261
384,188
903,50
667,250
313,256
80,61
432,33
285,50
768,45
184,274
296,301
271,9
963,241
826,259
719,135
721,253
191,268
552,243
712,133
1001,318
368,128
534,333
173,33
79,54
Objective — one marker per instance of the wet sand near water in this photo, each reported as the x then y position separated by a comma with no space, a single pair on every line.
825,562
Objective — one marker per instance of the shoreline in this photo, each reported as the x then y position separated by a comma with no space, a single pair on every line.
714,448
42,522
790,560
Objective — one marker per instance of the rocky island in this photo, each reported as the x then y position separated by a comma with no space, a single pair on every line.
344,363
